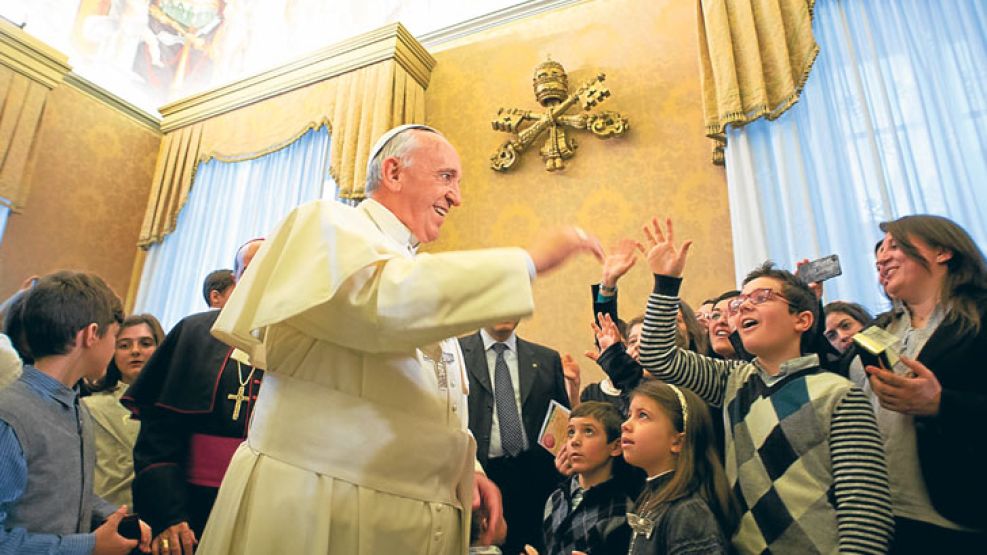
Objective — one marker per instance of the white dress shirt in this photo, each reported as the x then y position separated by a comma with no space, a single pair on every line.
510,357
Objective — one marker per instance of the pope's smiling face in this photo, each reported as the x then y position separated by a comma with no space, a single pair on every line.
426,183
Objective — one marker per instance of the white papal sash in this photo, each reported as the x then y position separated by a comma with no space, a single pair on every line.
383,448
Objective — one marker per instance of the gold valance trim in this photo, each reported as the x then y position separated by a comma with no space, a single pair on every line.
22,106
717,131
356,106
755,58
201,158
324,122
392,42
30,57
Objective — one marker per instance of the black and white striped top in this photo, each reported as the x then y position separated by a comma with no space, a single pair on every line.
846,461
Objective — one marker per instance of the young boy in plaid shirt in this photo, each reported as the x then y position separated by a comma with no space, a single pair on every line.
588,513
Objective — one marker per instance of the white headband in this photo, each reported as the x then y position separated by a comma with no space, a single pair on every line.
685,407
386,138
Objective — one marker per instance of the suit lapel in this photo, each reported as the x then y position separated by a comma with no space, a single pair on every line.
527,369
476,361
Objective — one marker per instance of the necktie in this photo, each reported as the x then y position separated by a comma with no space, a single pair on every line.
511,436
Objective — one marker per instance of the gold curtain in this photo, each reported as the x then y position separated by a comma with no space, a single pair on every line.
755,56
357,106
23,100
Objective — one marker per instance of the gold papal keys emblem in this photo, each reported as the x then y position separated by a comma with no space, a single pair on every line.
551,85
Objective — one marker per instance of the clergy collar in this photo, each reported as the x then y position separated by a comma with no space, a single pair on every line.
488,340
390,224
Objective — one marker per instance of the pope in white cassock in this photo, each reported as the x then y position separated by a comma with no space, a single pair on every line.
359,441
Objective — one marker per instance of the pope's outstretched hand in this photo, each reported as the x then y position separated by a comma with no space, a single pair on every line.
556,246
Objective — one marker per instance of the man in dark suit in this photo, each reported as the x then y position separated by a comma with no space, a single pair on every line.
512,382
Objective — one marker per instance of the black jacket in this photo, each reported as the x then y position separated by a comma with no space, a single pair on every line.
952,446
540,374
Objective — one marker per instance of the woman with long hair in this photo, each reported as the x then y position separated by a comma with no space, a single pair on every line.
115,430
933,402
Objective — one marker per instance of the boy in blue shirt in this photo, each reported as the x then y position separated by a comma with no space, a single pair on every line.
47,454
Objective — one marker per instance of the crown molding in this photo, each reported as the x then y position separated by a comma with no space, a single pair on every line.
389,42
119,105
488,21
30,57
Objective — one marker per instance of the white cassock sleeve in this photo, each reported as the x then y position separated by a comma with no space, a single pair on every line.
329,271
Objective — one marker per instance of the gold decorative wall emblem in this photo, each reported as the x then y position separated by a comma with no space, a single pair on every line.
551,86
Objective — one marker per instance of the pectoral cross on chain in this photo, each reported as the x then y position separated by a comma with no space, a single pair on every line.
239,398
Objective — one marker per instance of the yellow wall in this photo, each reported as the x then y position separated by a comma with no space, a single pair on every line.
662,166
91,175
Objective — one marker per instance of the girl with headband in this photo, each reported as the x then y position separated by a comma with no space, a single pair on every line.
686,501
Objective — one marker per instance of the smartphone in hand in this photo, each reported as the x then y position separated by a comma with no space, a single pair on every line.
820,270
130,527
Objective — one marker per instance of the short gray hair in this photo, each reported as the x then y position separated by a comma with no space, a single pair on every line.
400,146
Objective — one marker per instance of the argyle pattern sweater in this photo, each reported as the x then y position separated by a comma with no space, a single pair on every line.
804,454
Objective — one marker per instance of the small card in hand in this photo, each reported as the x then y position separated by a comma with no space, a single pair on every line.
553,430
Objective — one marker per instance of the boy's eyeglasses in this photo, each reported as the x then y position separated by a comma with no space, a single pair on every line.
756,297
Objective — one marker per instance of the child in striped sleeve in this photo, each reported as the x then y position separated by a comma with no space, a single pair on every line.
804,455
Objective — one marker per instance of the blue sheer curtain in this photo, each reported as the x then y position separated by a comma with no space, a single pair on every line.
230,203
891,122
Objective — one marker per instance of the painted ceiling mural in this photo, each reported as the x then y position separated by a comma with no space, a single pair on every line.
152,52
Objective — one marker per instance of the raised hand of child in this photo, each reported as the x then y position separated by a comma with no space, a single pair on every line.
619,260
664,258
606,332
571,374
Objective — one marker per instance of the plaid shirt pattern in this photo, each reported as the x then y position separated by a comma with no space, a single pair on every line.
593,520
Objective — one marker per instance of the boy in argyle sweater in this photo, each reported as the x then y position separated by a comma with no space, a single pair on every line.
588,513
804,454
